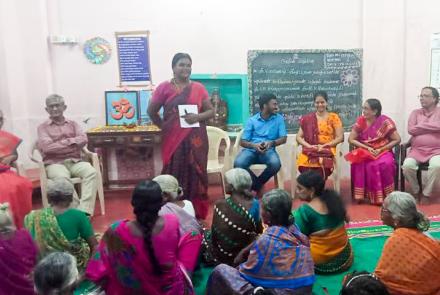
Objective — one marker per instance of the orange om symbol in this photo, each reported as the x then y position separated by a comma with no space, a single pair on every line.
122,108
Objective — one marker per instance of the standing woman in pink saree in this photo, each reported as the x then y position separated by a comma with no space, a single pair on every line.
184,150
372,162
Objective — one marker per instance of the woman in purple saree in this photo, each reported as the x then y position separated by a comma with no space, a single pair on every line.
18,256
372,162
184,150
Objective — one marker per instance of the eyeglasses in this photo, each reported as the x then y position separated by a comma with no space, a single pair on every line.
55,106
424,96
371,275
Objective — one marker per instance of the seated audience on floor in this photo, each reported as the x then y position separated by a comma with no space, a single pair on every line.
60,142
373,165
363,283
319,134
57,273
278,260
323,219
236,220
262,133
18,256
410,261
61,228
14,189
424,128
141,256
189,228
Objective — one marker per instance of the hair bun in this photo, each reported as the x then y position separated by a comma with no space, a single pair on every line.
4,206
422,222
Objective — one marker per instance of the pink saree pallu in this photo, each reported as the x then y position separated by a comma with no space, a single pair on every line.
122,264
373,176
18,256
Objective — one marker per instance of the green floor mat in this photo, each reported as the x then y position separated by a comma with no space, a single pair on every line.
367,246
367,252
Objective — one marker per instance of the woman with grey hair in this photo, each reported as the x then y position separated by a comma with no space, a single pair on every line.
56,274
61,228
189,228
278,261
410,261
173,193
236,220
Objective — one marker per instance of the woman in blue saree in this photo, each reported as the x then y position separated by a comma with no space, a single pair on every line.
279,260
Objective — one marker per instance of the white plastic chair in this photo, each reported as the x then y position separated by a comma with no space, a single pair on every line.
215,137
279,177
336,175
93,158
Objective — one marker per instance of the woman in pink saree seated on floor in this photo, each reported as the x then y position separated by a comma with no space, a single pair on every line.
184,150
141,256
372,162
18,256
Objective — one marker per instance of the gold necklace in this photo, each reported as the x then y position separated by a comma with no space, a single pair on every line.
178,87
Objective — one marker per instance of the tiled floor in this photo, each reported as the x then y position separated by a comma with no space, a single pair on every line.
117,206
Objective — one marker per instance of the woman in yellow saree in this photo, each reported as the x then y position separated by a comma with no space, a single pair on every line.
322,219
319,133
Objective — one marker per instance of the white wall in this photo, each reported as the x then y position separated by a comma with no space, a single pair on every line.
394,35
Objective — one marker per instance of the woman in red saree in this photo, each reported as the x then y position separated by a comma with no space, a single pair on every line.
372,162
184,150
14,189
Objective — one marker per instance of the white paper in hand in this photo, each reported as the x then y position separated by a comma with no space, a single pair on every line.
185,109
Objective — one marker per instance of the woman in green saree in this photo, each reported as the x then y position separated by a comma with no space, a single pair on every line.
322,218
60,228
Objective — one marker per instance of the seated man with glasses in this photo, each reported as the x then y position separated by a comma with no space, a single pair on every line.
60,142
424,128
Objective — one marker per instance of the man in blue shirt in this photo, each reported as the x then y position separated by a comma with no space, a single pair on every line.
262,133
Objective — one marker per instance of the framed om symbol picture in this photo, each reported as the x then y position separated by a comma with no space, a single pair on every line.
122,108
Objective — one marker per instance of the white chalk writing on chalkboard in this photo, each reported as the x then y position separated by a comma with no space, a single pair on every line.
294,75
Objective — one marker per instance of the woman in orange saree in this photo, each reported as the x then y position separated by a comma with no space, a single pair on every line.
319,133
184,150
14,189
410,261
372,162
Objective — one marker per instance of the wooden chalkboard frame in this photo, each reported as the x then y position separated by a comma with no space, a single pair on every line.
253,54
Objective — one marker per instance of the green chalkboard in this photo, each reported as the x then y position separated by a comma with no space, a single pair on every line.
294,75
